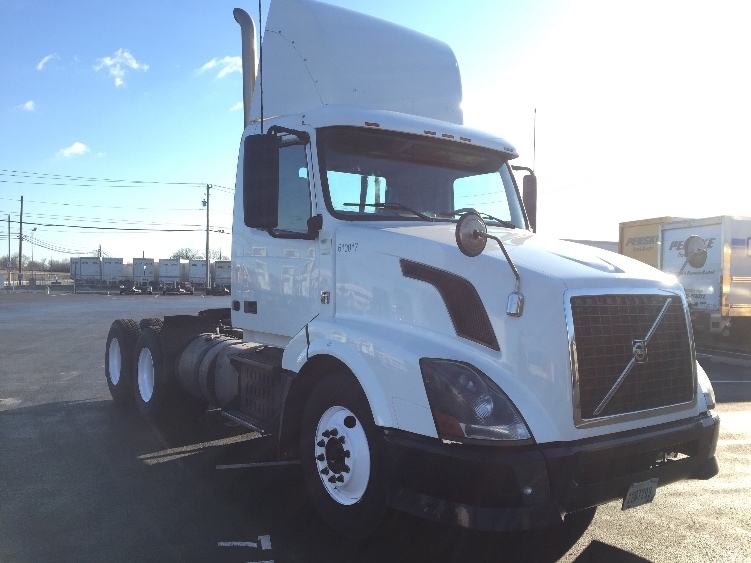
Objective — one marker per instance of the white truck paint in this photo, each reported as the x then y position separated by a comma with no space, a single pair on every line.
406,351
719,290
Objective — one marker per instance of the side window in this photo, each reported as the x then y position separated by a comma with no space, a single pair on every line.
294,190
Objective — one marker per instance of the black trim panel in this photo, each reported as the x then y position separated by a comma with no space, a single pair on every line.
462,301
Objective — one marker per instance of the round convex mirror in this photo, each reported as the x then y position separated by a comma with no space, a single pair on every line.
467,240
696,251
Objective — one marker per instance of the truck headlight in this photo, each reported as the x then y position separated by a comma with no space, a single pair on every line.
467,405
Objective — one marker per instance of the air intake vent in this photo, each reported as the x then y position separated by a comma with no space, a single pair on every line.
462,301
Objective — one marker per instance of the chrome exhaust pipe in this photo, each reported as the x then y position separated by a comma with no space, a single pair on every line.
248,36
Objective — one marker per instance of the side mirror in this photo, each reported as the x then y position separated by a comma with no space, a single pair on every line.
529,196
315,224
261,181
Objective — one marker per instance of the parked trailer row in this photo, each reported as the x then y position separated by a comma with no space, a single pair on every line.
148,271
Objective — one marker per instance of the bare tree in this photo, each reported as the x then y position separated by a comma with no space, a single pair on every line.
186,254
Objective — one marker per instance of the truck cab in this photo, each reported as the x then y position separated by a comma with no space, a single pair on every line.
397,323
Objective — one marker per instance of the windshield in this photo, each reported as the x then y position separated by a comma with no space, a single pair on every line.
382,176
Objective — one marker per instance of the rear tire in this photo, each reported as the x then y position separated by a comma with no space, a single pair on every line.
149,382
158,396
118,359
342,459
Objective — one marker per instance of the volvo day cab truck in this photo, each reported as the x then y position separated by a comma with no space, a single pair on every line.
711,258
396,323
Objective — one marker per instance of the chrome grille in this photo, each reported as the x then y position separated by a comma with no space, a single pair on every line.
610,332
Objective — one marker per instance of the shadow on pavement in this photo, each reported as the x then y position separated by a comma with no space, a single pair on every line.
91,481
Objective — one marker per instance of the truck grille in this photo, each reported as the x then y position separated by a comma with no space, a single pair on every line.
616,330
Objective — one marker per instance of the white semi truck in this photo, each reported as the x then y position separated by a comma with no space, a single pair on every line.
715,271
396,323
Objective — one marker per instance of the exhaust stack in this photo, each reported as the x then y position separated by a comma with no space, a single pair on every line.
248,36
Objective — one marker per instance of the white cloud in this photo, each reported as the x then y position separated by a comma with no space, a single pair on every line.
237,106
118,63
29,106
75,149
47,59
226,66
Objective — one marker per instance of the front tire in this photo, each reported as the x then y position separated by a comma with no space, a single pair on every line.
118,359
342,459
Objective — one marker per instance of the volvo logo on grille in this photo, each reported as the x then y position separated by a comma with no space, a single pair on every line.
639,348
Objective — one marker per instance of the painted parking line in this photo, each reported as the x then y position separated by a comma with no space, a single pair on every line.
264,464
264,541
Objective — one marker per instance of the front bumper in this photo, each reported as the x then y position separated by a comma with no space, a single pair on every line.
523,487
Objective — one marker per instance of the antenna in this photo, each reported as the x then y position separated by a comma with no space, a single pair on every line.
260,57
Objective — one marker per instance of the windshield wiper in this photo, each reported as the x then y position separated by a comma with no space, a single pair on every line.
463,210
392,206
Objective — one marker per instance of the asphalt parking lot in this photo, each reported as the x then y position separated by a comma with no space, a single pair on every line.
84,480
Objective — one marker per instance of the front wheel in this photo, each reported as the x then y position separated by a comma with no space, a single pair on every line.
342,460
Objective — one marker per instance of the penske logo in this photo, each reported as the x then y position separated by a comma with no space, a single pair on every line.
641,241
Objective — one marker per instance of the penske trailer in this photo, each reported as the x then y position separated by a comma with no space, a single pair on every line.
711,258
394,321
641,239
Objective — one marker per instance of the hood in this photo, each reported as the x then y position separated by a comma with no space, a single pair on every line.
575,265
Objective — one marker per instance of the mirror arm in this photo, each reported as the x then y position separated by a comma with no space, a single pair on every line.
515,303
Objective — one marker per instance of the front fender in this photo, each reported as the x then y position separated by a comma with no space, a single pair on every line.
380,405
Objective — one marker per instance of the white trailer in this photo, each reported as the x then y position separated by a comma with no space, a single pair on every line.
222,273
395,322
143,271
113,269
86,269
197,272
716,274
171,271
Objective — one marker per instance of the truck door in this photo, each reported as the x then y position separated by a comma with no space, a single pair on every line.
283,261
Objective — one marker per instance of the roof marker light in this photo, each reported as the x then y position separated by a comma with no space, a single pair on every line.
447,136
429,132
372,124
466,139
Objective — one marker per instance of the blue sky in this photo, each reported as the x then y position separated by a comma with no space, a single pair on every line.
642,111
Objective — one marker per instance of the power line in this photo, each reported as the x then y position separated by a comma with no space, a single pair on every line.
48,176
87,206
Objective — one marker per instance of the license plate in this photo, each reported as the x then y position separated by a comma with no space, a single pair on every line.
640,493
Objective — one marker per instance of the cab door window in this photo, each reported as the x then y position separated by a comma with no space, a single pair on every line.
294,190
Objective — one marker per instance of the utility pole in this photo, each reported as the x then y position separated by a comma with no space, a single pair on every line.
20,244
9,284
208,273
